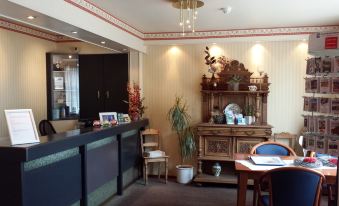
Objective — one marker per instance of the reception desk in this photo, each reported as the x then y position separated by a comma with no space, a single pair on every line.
79,167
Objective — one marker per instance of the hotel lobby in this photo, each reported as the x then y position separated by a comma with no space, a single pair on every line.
169,102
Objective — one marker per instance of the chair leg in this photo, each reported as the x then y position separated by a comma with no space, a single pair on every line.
166,170
145,173
159,168
255,189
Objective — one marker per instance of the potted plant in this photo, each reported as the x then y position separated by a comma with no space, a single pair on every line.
249,114
180,123
233,83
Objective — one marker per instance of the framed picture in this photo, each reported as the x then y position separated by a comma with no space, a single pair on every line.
108,116
58,83
21,126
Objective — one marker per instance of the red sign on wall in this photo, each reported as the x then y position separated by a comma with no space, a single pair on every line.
331,42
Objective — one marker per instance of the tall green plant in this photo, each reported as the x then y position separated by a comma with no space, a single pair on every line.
180,123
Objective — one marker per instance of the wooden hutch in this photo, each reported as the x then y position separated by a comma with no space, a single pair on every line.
219,142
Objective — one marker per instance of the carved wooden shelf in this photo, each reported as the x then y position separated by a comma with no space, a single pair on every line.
219,142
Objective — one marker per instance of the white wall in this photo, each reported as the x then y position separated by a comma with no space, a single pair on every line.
177,70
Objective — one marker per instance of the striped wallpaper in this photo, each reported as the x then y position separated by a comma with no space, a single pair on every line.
177,70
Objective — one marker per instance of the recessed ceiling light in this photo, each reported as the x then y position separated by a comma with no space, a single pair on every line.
103,42
70,56
31,17
74,32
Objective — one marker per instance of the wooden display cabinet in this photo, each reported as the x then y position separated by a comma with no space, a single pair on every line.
219,142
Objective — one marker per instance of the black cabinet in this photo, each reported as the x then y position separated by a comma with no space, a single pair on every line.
103,80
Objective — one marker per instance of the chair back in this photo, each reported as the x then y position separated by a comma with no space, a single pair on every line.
46,128
272,148
293,186
150,140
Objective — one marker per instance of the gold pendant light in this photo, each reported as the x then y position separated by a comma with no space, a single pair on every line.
188,14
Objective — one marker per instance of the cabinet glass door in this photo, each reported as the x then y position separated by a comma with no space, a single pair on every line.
63,86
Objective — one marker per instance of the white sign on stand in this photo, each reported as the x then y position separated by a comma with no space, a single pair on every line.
21,126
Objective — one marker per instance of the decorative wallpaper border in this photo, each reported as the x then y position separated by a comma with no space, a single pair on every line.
95,10
102,14
8,25
239,33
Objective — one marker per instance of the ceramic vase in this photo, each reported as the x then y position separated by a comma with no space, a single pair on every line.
216,169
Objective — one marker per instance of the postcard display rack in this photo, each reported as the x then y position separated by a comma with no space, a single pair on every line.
321,105
219,140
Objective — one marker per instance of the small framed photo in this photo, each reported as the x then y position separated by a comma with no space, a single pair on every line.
108,116
21,126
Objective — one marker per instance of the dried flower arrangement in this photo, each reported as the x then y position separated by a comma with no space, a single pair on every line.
210,61
136,108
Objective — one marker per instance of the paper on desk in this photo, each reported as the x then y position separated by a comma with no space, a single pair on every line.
251,166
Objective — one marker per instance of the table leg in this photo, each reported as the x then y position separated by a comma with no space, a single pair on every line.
242,189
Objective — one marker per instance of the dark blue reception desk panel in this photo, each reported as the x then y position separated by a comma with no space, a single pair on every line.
79,167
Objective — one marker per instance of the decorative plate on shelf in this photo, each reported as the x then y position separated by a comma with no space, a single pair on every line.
234,108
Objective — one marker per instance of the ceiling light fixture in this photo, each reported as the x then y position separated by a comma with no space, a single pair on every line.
31,17
74,32
226,10
188,13
103,42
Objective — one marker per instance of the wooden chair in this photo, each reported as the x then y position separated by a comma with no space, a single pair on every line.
269,148
292,186
151,144
272,148
46,128
291,138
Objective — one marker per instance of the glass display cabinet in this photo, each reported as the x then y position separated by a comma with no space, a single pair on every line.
62,86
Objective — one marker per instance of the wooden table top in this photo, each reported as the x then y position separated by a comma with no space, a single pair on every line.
330,174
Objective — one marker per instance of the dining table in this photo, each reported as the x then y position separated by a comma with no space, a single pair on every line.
245,173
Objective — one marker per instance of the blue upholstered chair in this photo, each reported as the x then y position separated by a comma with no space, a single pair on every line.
292,186
269,148
272,148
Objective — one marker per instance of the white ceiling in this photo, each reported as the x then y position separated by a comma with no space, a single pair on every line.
160,16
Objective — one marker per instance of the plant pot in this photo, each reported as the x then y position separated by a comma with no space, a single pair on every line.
249,120
184,173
